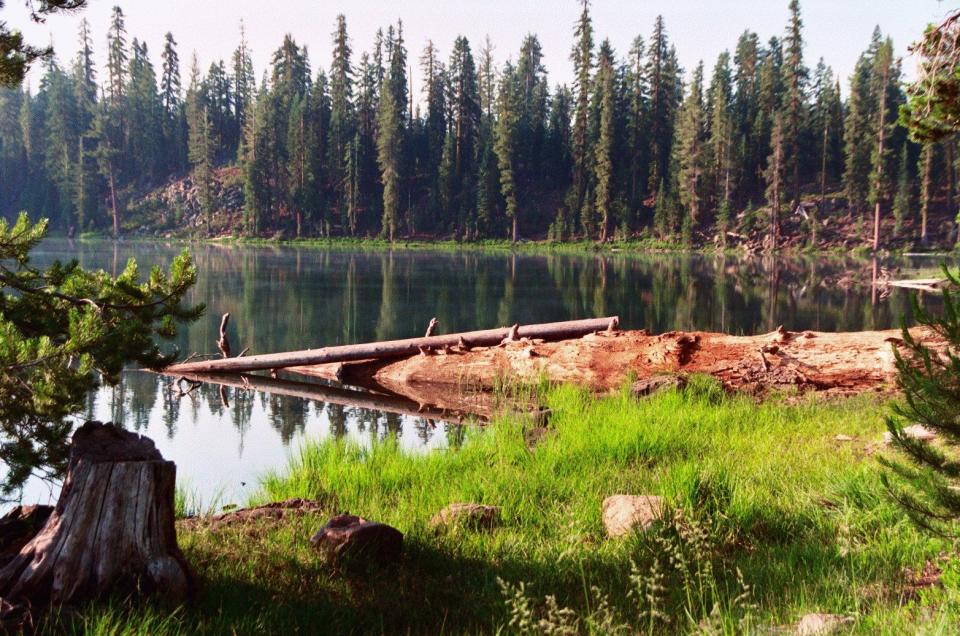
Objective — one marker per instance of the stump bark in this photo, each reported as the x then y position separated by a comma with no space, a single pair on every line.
112,528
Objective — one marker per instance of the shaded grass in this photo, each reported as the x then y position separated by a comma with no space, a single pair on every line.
769,518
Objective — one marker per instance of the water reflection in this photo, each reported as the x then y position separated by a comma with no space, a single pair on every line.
288,298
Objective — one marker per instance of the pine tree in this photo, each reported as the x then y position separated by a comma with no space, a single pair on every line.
582,57
926,189
859,130
117,57
388,156
244,82
505,144
721,125
170,100
795,76
662,74
341,105
689,149
901,202
880,178
773,176
200,145
603,162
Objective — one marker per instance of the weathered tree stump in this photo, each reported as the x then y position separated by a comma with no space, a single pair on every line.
112,528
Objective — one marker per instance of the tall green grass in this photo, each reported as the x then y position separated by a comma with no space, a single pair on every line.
769,518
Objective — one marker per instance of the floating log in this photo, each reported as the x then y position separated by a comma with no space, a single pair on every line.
392,348
113,526
933,285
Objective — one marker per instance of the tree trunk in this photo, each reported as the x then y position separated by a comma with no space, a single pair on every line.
391,348
514,230
113,526
113,206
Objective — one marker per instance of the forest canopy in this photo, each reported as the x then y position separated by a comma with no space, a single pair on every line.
483,148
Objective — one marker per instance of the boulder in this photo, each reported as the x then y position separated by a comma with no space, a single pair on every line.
467,515
623,514
821,624
353,539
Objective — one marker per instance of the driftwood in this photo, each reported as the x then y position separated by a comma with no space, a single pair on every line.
391,349
223,344
808,361
112,528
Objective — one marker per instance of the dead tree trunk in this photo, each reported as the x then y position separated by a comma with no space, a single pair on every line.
113,525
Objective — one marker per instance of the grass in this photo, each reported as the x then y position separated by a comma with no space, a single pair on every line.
769,518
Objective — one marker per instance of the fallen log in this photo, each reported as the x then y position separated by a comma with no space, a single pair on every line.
392,348
113,526
602,362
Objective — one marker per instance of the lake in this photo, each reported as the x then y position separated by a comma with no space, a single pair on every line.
285,298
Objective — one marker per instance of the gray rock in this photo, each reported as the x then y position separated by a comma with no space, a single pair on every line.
821,624
467,515
623,514
352,539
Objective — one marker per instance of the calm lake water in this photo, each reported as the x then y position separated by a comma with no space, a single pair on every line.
296,298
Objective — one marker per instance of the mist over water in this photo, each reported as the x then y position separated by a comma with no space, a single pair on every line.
287,298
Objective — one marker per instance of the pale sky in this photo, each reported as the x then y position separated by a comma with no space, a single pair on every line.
837,30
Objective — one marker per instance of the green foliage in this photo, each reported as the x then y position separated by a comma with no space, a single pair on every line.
63,330
933,109
929,376
768,519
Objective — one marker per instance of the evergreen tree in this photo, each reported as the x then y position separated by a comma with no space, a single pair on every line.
794,103
389,125
603,162
505,144
582,57
721,126
171,103
774,178
901,202
341,106
662,74
689,149
880,177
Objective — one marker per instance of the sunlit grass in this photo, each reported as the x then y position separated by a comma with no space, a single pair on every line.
759,489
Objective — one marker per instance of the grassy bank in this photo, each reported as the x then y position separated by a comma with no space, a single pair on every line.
770,518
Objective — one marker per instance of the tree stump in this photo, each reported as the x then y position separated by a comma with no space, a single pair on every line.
112,528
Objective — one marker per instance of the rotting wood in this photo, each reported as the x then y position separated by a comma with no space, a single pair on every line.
112,526
808,361
392,349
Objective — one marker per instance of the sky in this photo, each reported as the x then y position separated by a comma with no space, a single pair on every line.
837,30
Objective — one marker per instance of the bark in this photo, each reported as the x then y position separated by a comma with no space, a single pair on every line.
389,349
602,362
112,528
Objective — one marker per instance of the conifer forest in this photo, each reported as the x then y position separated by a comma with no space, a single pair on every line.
485,148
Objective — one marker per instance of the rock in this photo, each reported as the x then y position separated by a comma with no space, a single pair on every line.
352,539
656,384
821,624
916,431
19,526
467,515
623,514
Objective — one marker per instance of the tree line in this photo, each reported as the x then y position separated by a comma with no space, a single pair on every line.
481,149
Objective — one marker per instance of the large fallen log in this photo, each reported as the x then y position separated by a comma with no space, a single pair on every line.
808,361
394,348
113,526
